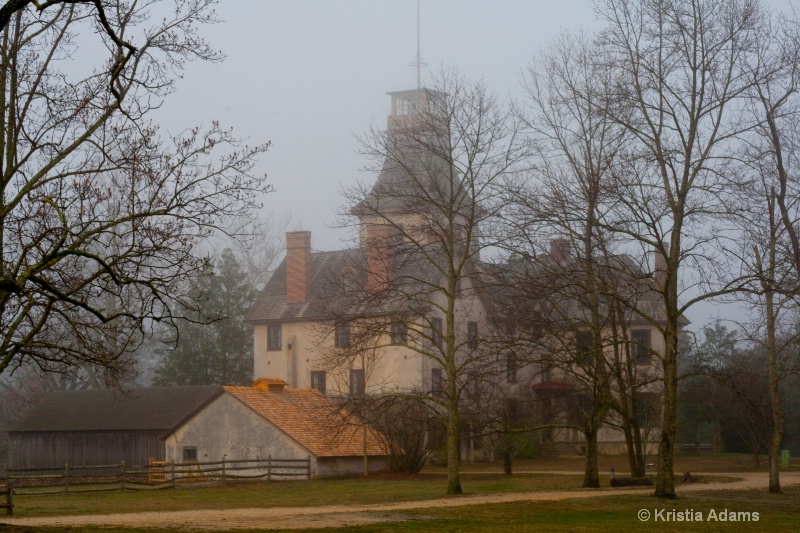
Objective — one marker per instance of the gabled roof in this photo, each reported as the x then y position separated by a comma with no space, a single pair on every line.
155,409
416,273
271,302
312,420
553,288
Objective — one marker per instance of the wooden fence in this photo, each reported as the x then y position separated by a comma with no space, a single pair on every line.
8,492
154,475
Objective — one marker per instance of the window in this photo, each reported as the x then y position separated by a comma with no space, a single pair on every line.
342,335
399,333
583,348
436,331
274,338
472,336
357,382
511,367
189,454
473,386
318,380
349,281
437,381
648,409
641,346
513,409
398,236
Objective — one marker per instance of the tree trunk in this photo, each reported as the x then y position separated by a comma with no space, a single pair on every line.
638,452
453,442
591,478
665,478
774,389
507,460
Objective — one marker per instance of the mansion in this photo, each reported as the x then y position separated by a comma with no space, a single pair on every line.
379,319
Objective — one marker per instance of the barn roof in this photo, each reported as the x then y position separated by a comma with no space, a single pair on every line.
311,419
157,408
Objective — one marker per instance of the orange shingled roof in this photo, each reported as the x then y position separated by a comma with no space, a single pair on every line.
311,419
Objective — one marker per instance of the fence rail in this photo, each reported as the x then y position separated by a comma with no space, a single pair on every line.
154,475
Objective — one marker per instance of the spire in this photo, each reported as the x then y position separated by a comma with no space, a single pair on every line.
418,63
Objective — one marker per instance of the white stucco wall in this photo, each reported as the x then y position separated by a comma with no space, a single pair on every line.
305,346
226,427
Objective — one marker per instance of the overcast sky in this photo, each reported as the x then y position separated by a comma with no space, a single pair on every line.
310,75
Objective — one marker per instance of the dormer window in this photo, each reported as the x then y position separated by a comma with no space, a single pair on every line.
349,281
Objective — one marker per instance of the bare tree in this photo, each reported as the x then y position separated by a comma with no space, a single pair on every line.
422,227
100,213
560,217
681,72
771,223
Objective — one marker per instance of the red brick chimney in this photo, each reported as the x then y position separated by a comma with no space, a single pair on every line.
660,267
298,266
559,249
380,264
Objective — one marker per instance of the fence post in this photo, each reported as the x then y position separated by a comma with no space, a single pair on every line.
10,497
172,462
223,469
122,469
66,477
308,471
269,468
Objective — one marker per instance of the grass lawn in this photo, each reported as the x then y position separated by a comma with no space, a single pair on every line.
609,513
286,494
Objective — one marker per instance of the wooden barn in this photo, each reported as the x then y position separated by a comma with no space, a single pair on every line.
102,427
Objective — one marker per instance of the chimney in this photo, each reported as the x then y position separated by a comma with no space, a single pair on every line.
559,249
298,266
380,265
660,267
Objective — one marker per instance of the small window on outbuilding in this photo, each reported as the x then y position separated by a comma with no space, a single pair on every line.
190,454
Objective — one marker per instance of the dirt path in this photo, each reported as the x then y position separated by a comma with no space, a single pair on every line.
343,515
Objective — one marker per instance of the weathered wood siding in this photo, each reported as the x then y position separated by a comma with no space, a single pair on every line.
56,448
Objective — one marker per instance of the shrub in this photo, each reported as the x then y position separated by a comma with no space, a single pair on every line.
627,481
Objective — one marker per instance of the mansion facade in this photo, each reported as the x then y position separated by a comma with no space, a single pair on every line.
373,320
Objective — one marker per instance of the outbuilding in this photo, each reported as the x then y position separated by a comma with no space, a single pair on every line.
270,419
102,427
